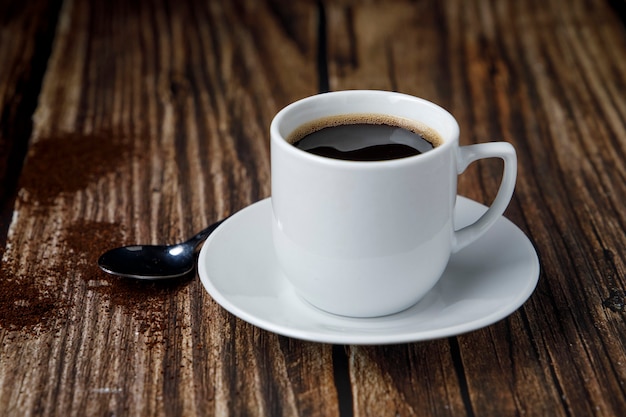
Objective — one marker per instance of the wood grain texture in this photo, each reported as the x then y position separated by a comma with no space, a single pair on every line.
25,40
550,79
172,102
152,123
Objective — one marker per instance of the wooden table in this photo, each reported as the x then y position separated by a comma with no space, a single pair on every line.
126,122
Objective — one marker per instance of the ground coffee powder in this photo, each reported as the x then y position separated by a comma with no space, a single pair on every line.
68,163
36,301
23,302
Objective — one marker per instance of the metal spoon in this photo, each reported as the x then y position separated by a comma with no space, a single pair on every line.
153,262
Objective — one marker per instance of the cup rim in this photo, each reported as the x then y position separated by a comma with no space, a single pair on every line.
450,140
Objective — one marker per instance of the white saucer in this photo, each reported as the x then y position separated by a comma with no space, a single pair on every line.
482,284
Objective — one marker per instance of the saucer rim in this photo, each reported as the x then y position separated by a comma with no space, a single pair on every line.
369,339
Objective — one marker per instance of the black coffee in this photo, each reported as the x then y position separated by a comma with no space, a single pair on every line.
365,138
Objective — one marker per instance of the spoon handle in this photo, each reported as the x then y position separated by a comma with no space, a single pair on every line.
203,234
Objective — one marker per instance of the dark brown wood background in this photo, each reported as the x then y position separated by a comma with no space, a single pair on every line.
137,121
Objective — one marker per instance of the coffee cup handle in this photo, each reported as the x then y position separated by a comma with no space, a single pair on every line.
465,156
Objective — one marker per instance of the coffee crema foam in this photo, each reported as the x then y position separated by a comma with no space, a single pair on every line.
428,133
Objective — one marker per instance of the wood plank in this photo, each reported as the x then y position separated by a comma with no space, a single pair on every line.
167,107
152,123
25,33
406,380
550,80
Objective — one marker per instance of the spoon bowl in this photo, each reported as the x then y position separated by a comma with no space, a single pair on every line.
154,262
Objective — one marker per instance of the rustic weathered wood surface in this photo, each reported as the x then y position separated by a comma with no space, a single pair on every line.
145,121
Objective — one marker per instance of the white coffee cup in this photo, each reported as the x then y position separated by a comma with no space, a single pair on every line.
366,239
